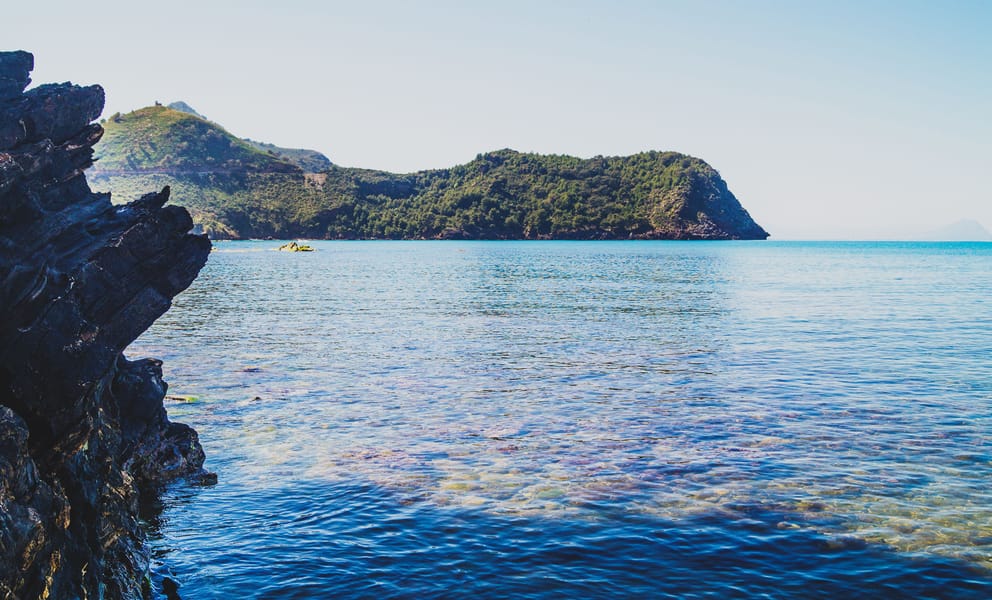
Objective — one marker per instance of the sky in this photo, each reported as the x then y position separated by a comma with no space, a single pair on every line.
828,119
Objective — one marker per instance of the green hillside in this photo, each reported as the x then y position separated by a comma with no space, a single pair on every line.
310,161
162,139
235,190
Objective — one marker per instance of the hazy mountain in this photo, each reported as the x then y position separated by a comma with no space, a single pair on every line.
965,230
310,161
186,108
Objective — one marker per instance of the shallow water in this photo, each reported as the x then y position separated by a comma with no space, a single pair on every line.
549,419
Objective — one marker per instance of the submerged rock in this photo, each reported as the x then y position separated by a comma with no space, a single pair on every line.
82,429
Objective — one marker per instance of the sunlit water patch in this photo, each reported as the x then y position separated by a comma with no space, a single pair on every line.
379,413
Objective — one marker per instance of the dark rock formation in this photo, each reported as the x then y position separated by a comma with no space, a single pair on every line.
82,429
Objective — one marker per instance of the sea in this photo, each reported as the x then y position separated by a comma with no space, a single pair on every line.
473,419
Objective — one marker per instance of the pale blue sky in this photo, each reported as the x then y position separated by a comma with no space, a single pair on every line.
828,119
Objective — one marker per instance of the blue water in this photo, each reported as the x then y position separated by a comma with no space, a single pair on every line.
572,419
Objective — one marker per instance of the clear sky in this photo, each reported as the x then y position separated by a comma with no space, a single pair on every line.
829,119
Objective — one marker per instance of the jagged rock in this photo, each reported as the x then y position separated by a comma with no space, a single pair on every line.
15,71
82,429
294,247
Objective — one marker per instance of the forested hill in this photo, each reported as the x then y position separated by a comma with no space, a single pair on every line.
237,189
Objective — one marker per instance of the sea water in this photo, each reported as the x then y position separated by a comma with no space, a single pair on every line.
582,419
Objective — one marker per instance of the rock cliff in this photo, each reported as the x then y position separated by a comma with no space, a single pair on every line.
82,428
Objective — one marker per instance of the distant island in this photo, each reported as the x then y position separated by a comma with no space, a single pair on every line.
238,188
964,230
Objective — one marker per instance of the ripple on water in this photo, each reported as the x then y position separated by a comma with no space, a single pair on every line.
781,398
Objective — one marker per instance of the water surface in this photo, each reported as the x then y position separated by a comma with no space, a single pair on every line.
583,419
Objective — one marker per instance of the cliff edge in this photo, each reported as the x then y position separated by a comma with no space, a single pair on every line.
82,429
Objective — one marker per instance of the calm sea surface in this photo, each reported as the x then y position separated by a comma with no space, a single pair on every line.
583,420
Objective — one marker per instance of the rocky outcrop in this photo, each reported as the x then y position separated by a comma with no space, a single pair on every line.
701,208
82,429
295,247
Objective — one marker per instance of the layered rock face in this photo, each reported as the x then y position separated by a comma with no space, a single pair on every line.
82,429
